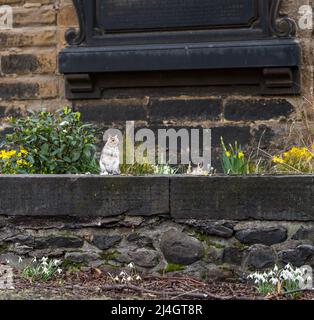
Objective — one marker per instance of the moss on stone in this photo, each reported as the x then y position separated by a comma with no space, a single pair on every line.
171,267
109,255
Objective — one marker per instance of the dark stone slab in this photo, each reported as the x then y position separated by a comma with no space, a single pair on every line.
19,63
242,110
233,255
105,242
289,198
301,255
260,257
120,15
86,195
179,248
189,109
58,242
113,110
304,234
18,91
211,228
267,236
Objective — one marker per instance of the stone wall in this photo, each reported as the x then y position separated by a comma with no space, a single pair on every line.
29,79
157,245
162,224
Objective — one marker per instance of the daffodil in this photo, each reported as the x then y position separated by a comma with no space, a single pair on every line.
278,160
240,155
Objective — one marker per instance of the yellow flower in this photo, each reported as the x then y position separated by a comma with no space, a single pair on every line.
7,154
228,154
278,160
24,152
240,155
22,163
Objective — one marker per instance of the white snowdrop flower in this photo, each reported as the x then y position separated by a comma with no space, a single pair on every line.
45,270
129,279
7,261
64,123
275,268
131,265
122,274
20,260
56,262
34,260
59,270
116,278
274,281
138,278
44,259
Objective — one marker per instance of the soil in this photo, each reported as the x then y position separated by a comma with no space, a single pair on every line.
97,285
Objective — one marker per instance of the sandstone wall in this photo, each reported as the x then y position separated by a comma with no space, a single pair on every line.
29,79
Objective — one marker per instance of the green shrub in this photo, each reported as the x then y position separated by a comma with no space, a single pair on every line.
55,143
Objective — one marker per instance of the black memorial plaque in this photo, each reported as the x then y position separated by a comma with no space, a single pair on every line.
162,43
143,15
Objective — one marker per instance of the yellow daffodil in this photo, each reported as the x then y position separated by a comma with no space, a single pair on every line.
240,155
278,160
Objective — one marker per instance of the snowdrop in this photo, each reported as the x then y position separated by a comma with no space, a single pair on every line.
44,270
278,280
126,277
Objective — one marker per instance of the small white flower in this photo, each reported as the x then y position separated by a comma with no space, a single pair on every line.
129,279
56,262
138,278
64,123
7,261
122,274
20,260
34,260
59,270
131,265
276,268
116,278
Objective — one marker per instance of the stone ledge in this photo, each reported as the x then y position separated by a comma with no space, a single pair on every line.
289,198
83,195
273,198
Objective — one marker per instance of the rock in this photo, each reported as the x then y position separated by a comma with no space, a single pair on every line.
179,248
15,261
58,242
140,240
7,233
299,256
211,228
233,255
145,258
260,257
81,257
105,242
267,236
304,234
